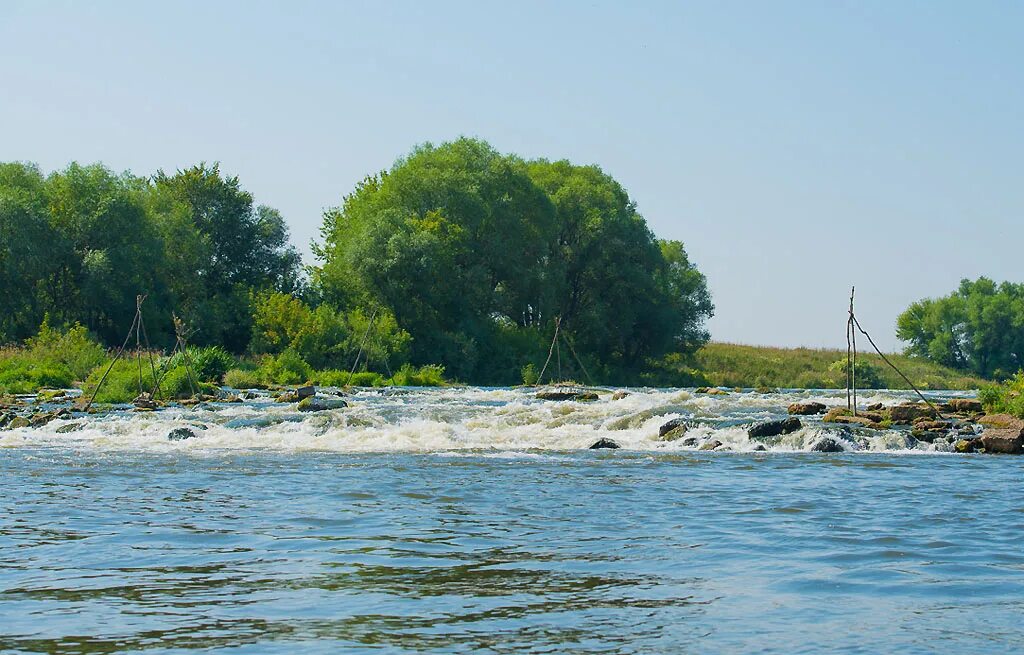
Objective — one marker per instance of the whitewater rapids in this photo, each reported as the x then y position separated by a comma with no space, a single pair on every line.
471,419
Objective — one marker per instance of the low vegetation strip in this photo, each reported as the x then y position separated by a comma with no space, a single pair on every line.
735,365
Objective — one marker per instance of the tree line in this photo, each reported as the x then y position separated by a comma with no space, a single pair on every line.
457,255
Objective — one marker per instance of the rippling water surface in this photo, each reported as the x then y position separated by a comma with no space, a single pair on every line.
394,526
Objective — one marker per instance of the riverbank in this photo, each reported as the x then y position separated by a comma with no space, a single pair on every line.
735,365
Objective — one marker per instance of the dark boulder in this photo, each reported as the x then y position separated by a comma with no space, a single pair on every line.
676,424
760,448
604,443
180,434
70,427
827,445
578,396
808,408
305,392
144,401
774,428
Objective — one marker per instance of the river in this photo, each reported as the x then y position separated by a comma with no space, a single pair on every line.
477,520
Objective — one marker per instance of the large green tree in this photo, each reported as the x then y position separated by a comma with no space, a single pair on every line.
477,254
979,328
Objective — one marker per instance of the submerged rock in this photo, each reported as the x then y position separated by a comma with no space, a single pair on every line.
807,408
760,448
70,427
604,443
579,396
312,404
712,391
180,434
967,445
18,422
827,445
929,431
774,428
710,444
40,420
619,395
672,430
288,397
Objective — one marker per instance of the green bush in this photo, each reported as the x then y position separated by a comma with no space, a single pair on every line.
530,374
122,383
336,378
287,368
1007,397
73,349
868,375
20,373
208,363
431,375
238,378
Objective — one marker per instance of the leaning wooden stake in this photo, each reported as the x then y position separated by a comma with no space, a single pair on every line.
852,364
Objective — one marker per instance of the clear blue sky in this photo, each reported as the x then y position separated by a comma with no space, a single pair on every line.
795,147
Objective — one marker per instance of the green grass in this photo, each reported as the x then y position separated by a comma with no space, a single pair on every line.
734,365
122,383
1005,398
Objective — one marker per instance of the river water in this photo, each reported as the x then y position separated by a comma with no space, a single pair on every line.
476,520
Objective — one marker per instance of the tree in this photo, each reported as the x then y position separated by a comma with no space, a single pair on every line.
224,247
477,254
978,328
27,244
453,241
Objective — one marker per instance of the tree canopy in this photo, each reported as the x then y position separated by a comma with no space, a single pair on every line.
477,253
79,244
978,328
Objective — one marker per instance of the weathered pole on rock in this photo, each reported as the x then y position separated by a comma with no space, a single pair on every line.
852,365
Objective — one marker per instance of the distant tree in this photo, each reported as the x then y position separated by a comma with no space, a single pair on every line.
27,246
112,251
978,328
221,248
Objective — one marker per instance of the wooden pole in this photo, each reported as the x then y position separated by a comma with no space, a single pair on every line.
853,368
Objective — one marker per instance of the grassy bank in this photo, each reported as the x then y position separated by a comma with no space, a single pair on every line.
734,365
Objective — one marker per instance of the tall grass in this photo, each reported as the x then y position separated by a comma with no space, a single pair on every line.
734,365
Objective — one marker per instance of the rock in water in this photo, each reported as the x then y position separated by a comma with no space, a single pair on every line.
70,427
907,413
676,424
710,445
827,445
604,443
619,395
305,392
774,428
179,434
144,401
807,409
311,404
965,406
1007,441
